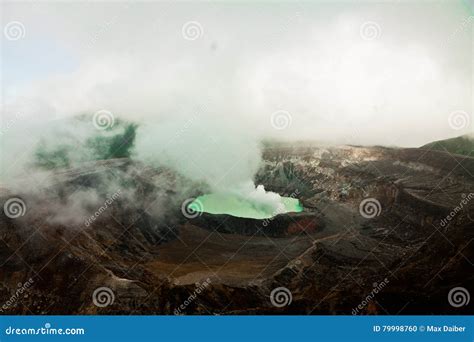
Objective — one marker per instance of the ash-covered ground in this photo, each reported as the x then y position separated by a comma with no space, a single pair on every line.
383,231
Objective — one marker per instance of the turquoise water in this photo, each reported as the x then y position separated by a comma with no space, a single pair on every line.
240,207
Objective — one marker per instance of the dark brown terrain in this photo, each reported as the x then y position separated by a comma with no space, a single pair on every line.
329,257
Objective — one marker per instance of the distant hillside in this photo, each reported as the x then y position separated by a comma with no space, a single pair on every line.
459,145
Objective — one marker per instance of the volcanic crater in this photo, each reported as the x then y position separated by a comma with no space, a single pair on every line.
328,256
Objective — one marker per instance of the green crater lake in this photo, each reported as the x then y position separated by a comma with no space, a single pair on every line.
240,207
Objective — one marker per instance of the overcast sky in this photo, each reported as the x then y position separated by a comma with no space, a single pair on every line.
378,72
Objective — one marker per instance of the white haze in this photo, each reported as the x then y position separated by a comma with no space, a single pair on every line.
204,105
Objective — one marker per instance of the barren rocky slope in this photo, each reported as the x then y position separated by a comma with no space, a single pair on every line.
329,258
